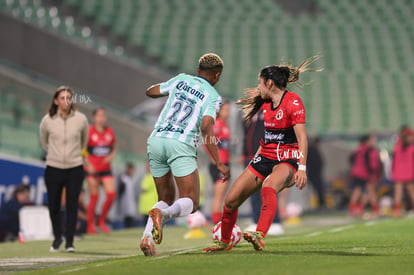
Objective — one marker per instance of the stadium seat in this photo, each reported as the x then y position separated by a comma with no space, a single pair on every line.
365,45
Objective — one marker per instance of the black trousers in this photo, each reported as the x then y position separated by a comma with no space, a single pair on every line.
72,180
317,183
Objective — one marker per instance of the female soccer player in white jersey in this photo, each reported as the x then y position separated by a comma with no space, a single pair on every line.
281,158
191,106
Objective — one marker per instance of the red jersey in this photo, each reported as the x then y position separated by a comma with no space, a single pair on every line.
279,141
99,146
366,163
403,163
222,133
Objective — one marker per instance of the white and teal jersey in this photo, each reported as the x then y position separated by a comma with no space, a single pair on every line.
189,99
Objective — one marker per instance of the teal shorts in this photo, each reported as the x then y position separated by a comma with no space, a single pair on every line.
166,154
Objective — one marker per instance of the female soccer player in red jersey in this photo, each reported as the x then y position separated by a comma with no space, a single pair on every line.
403,169
281,158
101,151
365,173
222,133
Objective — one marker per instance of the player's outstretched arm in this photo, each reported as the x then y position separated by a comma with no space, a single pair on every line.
154,91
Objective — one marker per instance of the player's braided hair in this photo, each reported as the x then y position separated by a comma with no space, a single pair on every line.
210,62
281,75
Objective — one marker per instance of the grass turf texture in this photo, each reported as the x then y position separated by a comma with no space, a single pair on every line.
376,247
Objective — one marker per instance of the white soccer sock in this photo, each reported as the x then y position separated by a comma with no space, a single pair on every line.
181,207
150,225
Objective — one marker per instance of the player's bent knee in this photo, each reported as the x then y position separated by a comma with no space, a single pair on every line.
231,204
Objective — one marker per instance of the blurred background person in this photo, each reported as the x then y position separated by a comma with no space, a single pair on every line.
253,133
315,170
82,217
63,134
403,169
222,133
126,195
100,152
365,173
9,213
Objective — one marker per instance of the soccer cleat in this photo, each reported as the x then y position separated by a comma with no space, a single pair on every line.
148,246
255,238
55,245
158,221
219,246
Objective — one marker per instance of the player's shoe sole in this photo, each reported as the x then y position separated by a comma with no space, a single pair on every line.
256,239
148,247
219,247
156,216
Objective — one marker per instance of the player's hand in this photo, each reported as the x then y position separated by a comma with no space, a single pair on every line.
301,179
225,170
90,169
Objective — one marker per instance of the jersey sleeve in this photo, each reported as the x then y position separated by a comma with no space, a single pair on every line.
297,111
90,132
212,108
113,136
166,87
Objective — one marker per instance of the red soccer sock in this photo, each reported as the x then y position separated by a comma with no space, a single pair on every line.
375,208
360,209
216,217
227,224
397,206
268,211
352,207
90,211
110,197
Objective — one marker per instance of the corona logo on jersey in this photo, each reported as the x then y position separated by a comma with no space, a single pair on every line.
183,86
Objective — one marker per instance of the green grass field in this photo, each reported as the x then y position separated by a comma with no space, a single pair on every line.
383,246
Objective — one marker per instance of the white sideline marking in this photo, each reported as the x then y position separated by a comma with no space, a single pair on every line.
32,261
183,251
72,270
313,234
341,228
